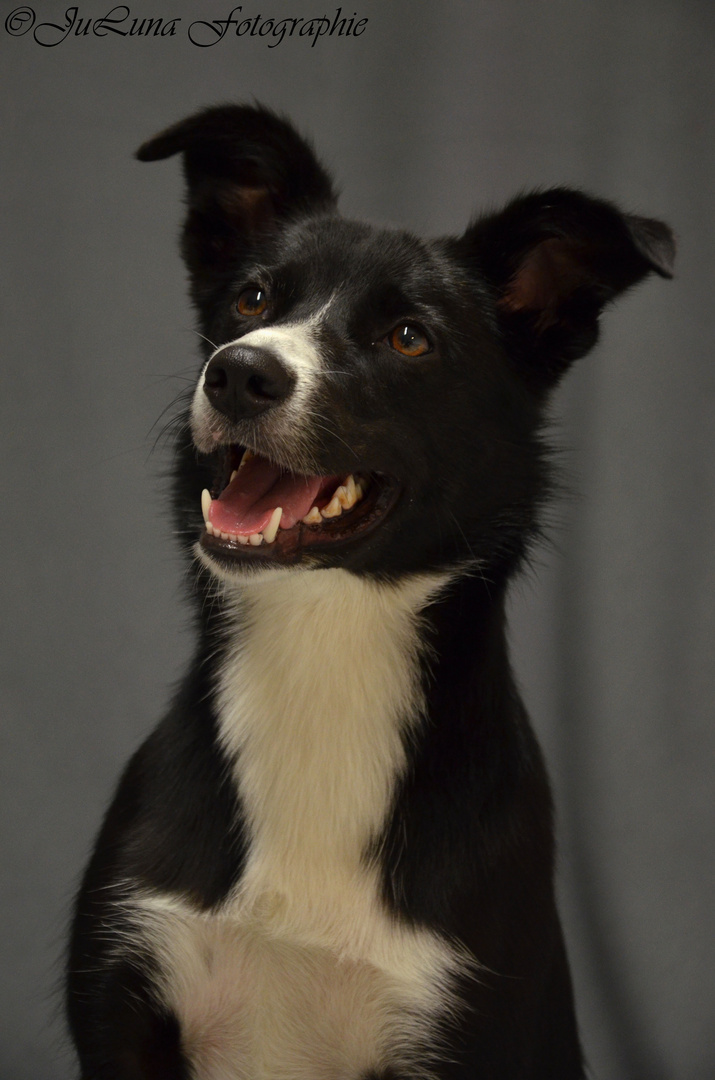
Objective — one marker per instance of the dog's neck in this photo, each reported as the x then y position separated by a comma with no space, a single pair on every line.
319,688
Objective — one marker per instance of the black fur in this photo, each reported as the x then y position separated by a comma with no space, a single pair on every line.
467,847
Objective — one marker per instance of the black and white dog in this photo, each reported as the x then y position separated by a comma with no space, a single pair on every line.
333,859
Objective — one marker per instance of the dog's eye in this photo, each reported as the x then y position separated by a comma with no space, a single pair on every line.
409,340
252,301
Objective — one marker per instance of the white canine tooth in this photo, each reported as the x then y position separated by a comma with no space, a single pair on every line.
313,517
234,473
255,539
206,501
333,509
247,455
269,532
348,493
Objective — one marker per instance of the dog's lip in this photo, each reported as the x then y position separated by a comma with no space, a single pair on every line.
302,540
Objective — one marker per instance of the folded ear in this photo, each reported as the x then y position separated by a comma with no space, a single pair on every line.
246,170
554,260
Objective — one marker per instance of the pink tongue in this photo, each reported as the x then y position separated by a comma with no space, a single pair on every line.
246,505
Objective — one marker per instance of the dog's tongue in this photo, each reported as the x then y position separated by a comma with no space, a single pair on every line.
246,505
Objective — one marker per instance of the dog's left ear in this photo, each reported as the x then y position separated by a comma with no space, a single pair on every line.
246,170
554,260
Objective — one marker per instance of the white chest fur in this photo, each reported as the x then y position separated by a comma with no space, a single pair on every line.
303,974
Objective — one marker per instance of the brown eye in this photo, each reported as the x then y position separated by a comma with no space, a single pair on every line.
409,340
252,301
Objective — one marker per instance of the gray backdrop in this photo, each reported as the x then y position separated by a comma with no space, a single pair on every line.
438,108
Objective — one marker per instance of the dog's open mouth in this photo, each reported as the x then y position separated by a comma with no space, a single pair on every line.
260,509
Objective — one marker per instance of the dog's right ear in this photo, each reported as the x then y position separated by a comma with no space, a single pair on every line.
246,170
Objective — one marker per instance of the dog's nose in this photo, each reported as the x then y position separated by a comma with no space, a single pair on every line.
243,381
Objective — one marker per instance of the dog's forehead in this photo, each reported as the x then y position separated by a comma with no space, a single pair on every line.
336,258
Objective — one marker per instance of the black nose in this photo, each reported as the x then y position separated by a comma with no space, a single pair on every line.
243,381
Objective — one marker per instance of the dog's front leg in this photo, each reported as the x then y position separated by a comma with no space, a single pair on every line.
120,1031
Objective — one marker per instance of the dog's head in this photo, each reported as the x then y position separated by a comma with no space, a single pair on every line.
369,399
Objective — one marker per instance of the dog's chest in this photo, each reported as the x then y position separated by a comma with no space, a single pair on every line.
303,973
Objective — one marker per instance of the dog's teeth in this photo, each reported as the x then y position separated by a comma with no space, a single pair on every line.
313,517
234,473
255,539
348,494
269,533
225,536
209,528
333,509
242,539
247,455
206,501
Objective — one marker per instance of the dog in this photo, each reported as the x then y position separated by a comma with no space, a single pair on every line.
333,858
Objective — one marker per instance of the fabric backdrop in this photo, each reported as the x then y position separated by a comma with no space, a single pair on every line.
435,110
